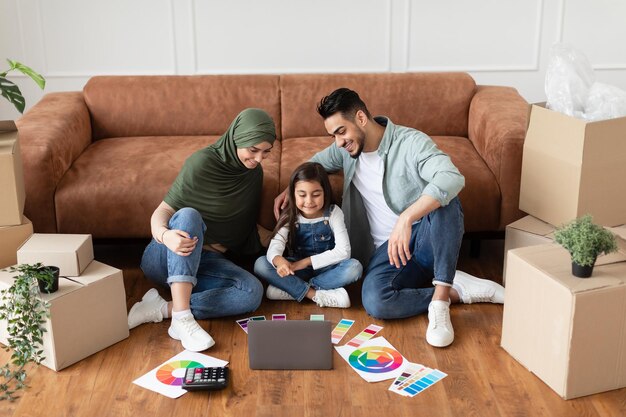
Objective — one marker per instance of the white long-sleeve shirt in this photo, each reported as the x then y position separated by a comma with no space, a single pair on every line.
340,252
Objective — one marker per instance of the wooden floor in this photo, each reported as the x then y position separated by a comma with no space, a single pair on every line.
483,379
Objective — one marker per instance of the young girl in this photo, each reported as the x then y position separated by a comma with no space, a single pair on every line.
312,230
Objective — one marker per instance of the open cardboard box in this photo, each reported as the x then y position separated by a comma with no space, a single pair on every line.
572,167
87,314
11,176
569,331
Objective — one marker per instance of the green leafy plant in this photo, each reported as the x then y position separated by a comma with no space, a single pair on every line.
585,241
11,91
25,312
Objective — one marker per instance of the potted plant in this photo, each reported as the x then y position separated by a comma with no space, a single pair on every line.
585,241
25,313
11,91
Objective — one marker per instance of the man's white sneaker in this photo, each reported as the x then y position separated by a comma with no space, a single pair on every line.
332,298
476,290
440,332
147,310
274,293
188,331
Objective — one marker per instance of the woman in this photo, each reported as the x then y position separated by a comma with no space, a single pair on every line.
210,208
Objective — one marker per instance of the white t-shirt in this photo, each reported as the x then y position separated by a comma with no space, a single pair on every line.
340,252
368,180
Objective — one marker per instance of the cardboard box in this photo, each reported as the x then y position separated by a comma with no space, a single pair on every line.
87,314
71,253
11,238
530,231
570,332
571,167
11,176
527,231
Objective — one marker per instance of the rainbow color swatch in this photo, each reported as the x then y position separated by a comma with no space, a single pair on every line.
419,378
375,359
172,373
281,316
365,335
340,330
317,317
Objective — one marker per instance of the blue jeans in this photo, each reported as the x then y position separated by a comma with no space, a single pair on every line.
327,278
220,288
389,292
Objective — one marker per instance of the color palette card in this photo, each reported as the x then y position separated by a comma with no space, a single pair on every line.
281,316
409,370
167,378
340,330
417,382
369,332
317,317
243,323
375,360
257,318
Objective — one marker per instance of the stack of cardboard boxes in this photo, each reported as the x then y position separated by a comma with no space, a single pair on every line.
88,312
15,228
570,332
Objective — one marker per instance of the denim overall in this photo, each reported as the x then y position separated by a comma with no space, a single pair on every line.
311,239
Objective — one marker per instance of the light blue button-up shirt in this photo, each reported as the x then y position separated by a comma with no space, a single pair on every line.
413,166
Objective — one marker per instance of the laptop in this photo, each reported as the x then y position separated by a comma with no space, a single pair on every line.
289,344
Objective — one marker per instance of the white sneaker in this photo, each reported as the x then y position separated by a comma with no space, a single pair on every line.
440,332
188,331
332,298
147,310
274,293
476,290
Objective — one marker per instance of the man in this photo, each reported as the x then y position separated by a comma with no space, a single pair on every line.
403,215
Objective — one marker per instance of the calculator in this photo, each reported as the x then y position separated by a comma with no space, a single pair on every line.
205,379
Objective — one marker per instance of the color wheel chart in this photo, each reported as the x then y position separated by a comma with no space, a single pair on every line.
167,378
375,359
172,373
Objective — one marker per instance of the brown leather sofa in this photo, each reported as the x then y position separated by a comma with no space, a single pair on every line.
100,161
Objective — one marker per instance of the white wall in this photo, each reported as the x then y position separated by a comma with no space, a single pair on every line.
501,42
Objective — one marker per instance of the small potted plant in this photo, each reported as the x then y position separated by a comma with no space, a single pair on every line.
585,241
25,313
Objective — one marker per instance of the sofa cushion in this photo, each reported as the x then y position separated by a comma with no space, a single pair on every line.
435,103
480,198
176,106
124,179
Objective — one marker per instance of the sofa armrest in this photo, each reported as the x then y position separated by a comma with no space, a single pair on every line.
497,127
52,134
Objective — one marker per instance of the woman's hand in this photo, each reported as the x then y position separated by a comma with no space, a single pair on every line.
179,242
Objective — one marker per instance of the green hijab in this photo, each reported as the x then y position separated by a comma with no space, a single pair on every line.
215,182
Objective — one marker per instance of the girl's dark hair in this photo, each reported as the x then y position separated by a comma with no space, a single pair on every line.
344,101
308,171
